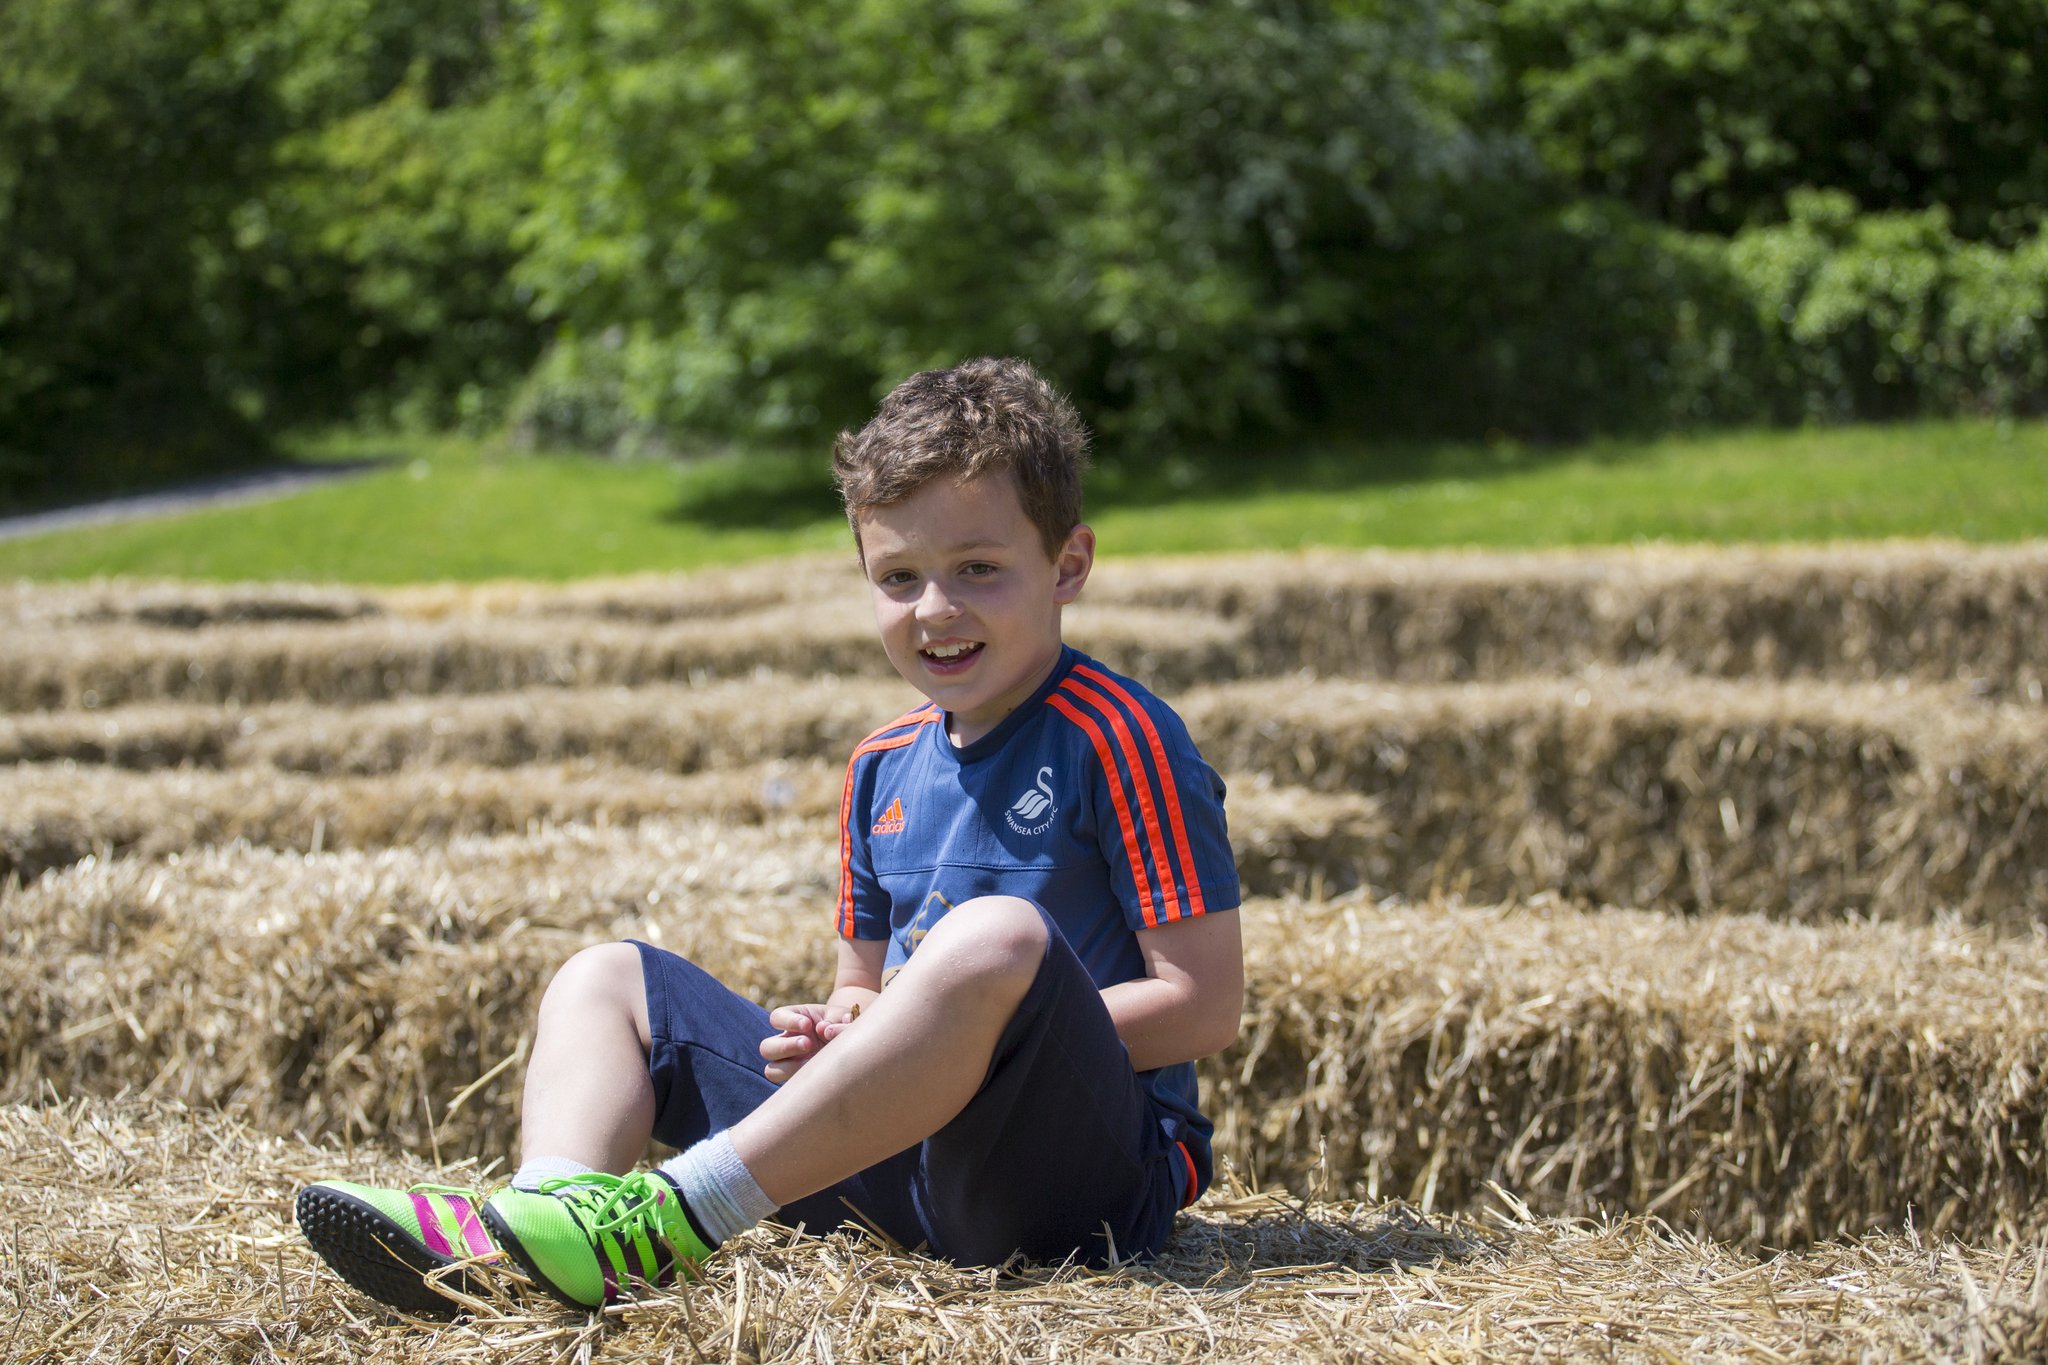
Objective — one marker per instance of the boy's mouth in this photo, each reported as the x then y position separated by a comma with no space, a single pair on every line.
950,656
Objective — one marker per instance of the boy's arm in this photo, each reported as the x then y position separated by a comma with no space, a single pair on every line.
806,1028
858,978
1191,998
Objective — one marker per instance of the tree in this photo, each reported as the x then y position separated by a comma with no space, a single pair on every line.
1705,114
128,133
755,216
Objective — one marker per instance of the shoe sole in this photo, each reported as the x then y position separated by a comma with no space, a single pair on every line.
502,1234
376,1255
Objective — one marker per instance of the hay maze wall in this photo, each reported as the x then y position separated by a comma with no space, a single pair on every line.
1703,885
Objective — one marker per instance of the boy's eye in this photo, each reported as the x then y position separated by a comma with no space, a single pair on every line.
896,578
978,569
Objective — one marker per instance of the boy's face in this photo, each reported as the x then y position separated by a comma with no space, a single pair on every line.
967,602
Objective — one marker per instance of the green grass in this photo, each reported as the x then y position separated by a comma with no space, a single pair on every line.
443,508
1974,481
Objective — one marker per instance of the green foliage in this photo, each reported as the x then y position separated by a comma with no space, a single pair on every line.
656,226
129,131
762,214
406,214
1559,322
1892,314
218,214
397,199
1706,113
1553,322
341,56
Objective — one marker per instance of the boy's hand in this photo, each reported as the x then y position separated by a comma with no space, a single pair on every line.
805,1029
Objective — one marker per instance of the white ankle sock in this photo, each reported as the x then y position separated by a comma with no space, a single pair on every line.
535,1169
723,1198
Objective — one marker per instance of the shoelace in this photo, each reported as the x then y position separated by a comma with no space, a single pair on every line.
611,1203
618,1213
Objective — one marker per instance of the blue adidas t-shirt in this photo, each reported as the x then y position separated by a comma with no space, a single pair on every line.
1089,800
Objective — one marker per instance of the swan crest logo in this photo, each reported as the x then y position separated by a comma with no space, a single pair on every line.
1033,812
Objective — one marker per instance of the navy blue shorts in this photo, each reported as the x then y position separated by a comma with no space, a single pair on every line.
1060,1153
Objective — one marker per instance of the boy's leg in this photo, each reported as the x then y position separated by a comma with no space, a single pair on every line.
591,1103
1061,1151
590,1106
910,1064
706,1071
695,1045
841,1136
992,1059
588,1099
634,1042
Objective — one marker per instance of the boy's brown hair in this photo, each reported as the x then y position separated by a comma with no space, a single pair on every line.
982,416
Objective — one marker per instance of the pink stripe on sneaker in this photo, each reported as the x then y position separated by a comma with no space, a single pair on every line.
430,1225
480,1243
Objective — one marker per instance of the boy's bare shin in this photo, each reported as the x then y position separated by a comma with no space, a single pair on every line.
588,1097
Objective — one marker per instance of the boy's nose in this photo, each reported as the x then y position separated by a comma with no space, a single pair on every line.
936,604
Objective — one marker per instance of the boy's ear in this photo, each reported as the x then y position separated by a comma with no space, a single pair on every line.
1075,560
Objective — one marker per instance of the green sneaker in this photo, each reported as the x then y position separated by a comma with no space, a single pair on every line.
387,1242
583,1238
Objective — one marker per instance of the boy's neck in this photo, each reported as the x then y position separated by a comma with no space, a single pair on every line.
954,734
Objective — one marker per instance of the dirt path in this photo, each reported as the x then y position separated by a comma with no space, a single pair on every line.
189,497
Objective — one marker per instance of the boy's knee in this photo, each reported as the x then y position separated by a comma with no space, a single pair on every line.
602,977
990,937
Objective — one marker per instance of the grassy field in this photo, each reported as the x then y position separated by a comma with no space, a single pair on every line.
449,509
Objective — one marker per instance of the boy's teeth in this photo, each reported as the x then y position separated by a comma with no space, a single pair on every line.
948,651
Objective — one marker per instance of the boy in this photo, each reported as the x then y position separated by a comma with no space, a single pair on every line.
1035,941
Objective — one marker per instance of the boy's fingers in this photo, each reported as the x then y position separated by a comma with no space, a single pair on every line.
786,1048
792,1019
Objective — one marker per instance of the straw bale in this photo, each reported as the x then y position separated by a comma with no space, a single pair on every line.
651,598
148,1231
174,605
1765,1083
1296,840
1925,610
133,737
704,594
377,658
53,815
344,992
1799,800
381,657
676,728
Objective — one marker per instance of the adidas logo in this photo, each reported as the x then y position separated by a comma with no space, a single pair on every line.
892,819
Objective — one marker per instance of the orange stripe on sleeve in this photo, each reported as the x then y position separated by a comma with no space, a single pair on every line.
916,715
873,744
1168,786
1172,901
1116,796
